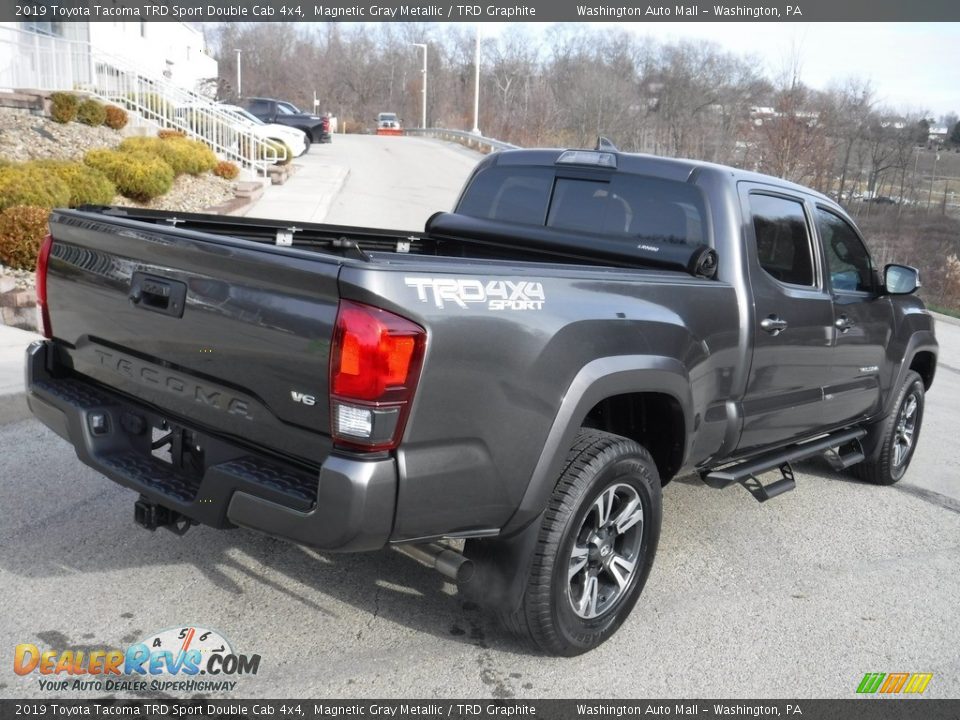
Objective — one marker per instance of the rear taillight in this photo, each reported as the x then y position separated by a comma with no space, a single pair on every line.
375,363
43,311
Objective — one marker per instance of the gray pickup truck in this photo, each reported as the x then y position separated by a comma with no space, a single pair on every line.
522,377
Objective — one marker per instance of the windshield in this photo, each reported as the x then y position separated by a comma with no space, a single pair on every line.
248,116
388,117
287,109
241,113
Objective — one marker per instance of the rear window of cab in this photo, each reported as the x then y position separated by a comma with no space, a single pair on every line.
639,207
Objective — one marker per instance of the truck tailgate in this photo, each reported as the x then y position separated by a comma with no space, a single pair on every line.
229,334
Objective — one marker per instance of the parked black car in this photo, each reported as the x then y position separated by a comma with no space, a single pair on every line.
316,127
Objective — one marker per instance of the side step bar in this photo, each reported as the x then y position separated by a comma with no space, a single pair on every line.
845,444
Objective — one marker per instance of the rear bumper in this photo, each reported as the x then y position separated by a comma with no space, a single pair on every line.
347,506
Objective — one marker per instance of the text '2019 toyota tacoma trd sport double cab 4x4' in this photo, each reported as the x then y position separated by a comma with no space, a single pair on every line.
523,375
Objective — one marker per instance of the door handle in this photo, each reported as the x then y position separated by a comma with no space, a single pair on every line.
843,323
158,294
773,325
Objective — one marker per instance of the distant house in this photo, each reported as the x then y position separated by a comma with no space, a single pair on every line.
938,134
64,55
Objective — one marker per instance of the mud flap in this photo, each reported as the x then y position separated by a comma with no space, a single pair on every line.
501,568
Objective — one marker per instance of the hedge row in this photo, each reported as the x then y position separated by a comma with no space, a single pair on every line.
28,191
140,168
66,107
53,183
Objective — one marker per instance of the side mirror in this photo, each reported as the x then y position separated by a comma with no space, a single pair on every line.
901,279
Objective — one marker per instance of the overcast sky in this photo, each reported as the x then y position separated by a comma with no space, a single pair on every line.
912,66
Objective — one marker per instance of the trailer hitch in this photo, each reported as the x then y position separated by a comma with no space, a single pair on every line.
149,515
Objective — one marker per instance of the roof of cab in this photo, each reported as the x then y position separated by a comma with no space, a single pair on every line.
642,164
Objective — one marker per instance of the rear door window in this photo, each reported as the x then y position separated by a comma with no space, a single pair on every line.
783,240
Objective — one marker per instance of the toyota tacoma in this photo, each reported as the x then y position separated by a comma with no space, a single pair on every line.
502,395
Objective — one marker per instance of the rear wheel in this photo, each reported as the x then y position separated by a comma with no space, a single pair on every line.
899,434
595,548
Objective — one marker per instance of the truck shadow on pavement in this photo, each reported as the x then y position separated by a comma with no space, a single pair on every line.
87,529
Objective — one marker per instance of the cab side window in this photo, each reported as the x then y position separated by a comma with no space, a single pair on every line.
783,242
848,261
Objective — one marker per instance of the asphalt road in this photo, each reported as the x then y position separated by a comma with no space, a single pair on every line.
798,597
395,182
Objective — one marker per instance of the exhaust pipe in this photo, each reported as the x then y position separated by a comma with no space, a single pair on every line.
445,560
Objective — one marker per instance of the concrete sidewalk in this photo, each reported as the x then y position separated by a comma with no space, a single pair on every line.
13,344
307,195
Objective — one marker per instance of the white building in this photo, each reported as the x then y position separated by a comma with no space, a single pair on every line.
63,55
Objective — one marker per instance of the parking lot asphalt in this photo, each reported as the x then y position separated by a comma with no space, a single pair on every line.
797,597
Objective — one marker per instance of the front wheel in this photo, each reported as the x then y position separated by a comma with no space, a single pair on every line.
899,433
595,548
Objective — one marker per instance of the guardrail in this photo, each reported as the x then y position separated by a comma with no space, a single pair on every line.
463,136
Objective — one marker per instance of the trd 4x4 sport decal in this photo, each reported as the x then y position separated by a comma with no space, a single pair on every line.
494,294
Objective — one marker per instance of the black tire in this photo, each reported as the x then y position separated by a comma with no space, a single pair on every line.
598,465
893,460
306,143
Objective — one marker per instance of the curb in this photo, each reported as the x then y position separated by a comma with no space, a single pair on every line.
334,193
948,319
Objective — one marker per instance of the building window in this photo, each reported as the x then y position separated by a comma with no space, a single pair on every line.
44,27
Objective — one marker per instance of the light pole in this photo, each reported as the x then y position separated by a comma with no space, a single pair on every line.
933,177
476,84
239,90
423,121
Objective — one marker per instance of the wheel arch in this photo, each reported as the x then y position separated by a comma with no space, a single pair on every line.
652,418
921,357
924,362
613,394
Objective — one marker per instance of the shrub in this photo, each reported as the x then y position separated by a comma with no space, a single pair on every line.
183,155
226,169
63,107
167,134
91,113
194,156
28,184
137,174
116,118
22,229
87,185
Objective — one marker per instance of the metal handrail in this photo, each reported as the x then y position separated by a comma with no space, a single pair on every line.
45,62
469,138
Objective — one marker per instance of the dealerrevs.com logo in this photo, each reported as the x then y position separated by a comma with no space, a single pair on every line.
184,659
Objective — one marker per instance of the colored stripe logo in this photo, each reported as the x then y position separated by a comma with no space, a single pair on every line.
893,683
